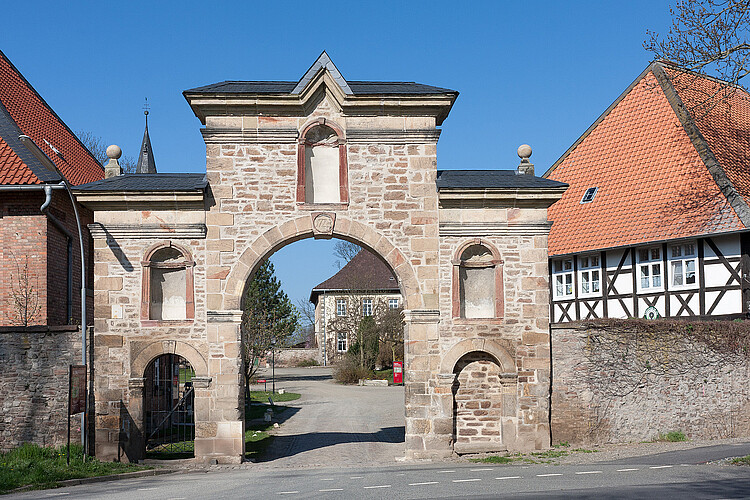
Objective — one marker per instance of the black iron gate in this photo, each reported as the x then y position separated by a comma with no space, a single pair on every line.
168,404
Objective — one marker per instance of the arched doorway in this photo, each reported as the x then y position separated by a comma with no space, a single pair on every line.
477,404
169,400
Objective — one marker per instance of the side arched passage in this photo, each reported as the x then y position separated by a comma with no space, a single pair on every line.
479,398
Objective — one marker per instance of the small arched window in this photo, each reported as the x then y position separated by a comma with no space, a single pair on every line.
168,285
477,282
322,175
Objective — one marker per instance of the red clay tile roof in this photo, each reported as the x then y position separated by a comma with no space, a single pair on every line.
35,118
724,123
652,183
12,169
365,272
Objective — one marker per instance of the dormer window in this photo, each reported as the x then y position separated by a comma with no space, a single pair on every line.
588,196
322,175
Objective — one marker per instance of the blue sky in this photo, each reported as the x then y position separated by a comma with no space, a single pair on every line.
536,72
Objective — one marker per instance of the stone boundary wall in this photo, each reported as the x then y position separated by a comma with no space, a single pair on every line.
34,385
714,403
290,357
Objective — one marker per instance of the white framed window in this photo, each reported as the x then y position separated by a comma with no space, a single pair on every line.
562,278
649,268
340,307
392,303
341,342
683,259
366,307
589,275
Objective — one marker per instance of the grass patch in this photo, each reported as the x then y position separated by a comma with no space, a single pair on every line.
672,437
494,459
39,467
536,457
741,460
257,437
262,396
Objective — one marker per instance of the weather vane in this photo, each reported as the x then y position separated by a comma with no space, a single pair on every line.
146,107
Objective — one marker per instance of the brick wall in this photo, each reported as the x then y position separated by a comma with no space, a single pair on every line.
26,233
711,404
34,381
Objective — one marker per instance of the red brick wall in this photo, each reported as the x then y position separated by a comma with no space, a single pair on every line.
26,233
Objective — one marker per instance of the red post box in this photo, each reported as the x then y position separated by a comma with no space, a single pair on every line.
398,372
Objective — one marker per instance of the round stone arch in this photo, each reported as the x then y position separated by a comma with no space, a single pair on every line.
302,227
495,350
139,363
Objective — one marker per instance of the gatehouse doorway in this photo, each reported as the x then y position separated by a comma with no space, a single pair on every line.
169,396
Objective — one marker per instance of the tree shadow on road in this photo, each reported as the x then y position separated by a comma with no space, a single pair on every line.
287,446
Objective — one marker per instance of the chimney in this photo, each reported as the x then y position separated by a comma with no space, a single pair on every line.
113,168
525,167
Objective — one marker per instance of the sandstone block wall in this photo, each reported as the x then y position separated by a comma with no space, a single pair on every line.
34,382
713,404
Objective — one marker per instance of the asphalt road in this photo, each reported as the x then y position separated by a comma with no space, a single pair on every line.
676,481
341,443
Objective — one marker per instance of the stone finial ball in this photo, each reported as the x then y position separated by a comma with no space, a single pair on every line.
114,152
524,151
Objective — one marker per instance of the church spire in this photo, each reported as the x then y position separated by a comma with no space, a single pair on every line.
146,163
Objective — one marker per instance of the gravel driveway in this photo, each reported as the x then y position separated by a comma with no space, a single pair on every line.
336,425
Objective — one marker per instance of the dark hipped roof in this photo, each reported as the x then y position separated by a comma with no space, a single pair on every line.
365,272
149,182
477,179
25,112
358,88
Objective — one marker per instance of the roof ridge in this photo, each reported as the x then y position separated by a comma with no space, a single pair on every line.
44,102
707,156
599,119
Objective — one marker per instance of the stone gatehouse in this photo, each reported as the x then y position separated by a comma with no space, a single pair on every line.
319,158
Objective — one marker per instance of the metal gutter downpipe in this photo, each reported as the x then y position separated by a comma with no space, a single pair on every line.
50,165
48,191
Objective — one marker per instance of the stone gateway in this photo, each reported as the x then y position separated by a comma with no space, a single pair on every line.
319,158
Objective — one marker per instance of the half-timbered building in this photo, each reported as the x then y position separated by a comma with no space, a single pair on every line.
655,222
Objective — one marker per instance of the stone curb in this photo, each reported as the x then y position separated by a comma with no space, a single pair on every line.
102,479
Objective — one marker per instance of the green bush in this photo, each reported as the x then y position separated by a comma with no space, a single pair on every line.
348,371
304,363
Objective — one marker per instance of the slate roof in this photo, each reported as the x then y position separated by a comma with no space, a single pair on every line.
477,179
365,272
146,162
357,87
148,182
23,111
656,163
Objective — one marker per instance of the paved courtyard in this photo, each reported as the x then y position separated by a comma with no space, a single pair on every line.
336,425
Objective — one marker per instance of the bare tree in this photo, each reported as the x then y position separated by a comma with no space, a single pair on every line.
345,250
98,148
707,37
24,293
306,329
